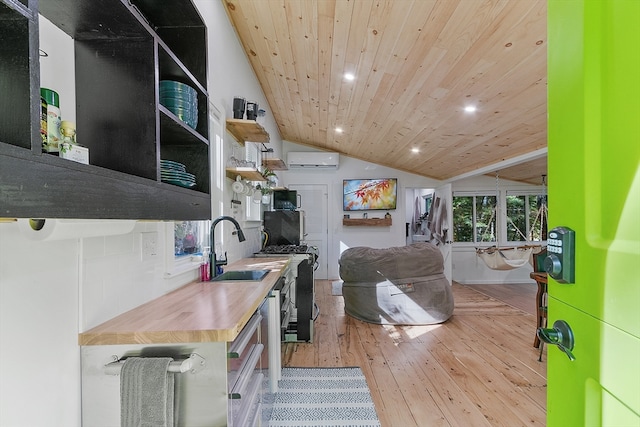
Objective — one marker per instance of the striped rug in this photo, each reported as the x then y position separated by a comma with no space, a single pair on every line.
327,397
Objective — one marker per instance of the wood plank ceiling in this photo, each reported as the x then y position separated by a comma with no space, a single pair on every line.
417,65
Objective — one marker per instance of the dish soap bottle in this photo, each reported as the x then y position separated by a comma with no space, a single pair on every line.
204,266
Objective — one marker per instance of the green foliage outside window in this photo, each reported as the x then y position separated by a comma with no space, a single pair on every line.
524,213
517,213
463,219
475,219
486,230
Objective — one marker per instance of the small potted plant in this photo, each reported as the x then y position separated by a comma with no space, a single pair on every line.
269,175
271,179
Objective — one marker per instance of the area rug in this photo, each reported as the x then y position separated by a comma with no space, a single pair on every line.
336,288
323,397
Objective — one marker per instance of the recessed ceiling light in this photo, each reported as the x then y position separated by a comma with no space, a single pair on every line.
415,150
349,76
470,108
339,130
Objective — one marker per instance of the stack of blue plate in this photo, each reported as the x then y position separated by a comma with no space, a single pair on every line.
181,100
176,173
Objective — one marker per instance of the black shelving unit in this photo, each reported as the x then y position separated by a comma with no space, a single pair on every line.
122,51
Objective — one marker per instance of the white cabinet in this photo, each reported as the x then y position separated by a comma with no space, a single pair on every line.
245,376
201,397
227,391
237,374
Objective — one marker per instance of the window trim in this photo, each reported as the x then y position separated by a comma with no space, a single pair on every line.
501,215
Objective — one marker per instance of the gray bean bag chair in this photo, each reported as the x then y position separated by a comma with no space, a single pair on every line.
396,286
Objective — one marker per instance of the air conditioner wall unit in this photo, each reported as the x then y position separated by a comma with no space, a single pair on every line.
312,160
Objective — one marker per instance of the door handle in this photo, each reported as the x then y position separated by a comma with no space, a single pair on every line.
560,335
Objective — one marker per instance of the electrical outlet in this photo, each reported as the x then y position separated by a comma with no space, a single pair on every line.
149,245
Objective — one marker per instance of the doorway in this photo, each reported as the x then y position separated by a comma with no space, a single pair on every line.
313,200
429,218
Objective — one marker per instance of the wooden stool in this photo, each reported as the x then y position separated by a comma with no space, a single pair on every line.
541,303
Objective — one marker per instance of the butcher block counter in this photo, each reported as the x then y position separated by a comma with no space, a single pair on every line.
196,312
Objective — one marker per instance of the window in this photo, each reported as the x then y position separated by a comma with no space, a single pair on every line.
476,219
428,201
526,217
190,237
252,202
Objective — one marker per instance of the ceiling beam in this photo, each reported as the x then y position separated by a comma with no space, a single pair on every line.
542,152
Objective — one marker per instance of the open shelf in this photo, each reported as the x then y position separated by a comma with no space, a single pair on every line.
121,51
250,175
247,131
275,164
368,222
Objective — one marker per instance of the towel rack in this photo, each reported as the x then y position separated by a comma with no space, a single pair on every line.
192,364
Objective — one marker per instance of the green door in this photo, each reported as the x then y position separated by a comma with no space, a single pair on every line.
594,189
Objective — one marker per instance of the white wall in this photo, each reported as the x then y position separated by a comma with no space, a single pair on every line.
339,236
39,357
230,73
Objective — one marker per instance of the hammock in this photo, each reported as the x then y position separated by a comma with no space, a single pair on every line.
505,258
497,258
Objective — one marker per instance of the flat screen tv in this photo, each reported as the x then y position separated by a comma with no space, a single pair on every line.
369,194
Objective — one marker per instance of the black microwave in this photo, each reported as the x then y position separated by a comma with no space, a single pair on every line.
285,200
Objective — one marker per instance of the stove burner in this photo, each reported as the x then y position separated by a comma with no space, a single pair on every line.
273,250
285,249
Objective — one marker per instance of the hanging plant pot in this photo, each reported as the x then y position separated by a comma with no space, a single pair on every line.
266,199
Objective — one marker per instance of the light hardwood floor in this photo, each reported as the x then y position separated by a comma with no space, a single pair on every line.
477,369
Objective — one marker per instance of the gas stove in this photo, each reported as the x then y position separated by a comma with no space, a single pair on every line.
285,249
300,291
275,250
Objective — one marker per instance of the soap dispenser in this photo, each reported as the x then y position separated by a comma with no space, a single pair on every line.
204,265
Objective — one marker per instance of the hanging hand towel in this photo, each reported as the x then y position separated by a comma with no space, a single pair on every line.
146,392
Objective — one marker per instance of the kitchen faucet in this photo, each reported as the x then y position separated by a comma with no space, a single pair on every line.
213,263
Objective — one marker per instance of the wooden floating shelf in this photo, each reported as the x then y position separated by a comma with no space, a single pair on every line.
250,175
369,222
247,131
275,164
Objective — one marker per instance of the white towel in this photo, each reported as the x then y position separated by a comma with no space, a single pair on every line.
146,392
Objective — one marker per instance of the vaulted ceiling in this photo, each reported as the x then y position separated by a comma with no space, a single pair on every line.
417,65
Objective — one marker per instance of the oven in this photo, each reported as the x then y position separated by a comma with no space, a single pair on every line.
297,296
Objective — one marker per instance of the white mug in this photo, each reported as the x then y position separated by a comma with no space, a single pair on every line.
248,189
237,186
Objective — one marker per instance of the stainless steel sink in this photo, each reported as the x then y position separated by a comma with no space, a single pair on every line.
242,276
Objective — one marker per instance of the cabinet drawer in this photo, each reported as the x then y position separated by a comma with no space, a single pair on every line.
245,411
238,385
238,346
284,324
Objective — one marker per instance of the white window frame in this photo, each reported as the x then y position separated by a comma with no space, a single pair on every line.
477,194
527,232
252,210
501,216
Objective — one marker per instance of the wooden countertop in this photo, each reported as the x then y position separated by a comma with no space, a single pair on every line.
196,312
